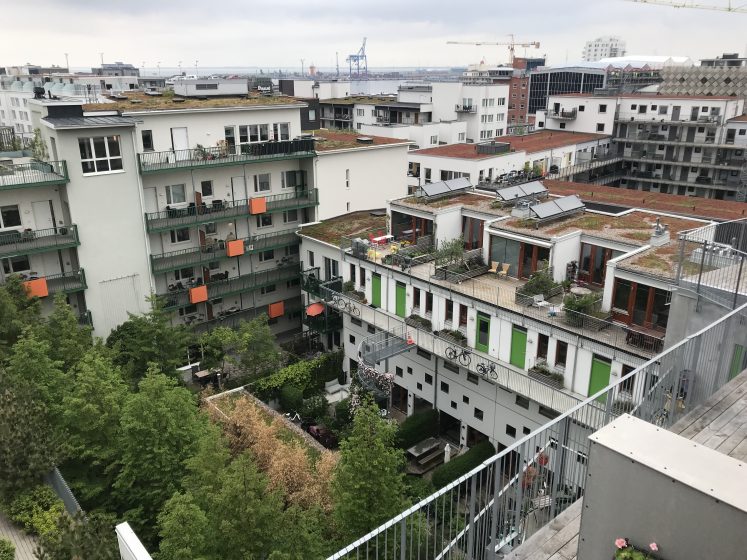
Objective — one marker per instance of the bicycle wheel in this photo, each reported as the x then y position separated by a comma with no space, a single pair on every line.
464,358
481,369
493,373
354,311
450,353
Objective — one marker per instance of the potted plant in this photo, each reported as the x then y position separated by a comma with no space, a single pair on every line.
541,373
419,322
576,307
453,336
202,152
626,551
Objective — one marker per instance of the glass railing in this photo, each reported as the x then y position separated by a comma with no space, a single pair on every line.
152,162
30,241
32,174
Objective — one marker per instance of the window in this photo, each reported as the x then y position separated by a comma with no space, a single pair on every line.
419,386
543,342
501,101
510,431
472,378
10,216
663,109
478,414
429,379
356,322
293,283
463,135
562,125
465,399
603,108
360,112
398,371
444,387
179,235
561,353
423,354
184,273
312,114
267,289
176,194
600,127
16,264
311,258
267,255
100,154
451,367
453,405
523,402
206,187
743,131
262,182
264,220
526,431
290,216
582,108
351,338
434,140
371,329
409,370
633,107
704,109
205,86
347,178
281,131
548,412
147,136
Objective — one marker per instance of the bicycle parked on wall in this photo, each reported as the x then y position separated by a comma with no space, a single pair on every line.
462,355
344,305
486,370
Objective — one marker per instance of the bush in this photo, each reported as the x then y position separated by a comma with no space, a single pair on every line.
462,464
348,286
417,427
342,412
7,550
540,283
37,510
417,488
314,408
291,398
421,322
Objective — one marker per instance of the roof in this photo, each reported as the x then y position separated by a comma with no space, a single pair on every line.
328,140
88,122
549,139
656,96
471,201
677,204
362,99
348,225
740,118
140,102
459,151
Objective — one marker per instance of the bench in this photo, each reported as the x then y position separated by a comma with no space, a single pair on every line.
423,461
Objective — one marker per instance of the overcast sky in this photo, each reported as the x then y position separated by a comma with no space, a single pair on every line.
278,33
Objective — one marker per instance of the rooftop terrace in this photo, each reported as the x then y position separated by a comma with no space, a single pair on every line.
363,99
472,201
332,231
137,102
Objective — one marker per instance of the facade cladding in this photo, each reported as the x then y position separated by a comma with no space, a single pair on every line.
542,84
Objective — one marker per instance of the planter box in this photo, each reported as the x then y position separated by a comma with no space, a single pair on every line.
541,377
454,340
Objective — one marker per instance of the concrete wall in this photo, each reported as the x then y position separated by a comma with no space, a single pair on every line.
650,485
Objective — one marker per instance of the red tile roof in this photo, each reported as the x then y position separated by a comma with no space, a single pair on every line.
689,205
740,118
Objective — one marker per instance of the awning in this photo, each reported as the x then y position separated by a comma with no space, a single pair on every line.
315,309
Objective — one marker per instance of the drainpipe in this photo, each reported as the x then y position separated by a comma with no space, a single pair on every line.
575,359
146,238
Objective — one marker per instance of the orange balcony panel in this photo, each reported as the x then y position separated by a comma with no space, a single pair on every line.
276,309
198,294
258,205
37,288
235,248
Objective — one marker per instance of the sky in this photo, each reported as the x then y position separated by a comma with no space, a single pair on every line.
405,33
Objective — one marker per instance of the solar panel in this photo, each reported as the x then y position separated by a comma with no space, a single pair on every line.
558,207
546,209
520,191
509,193
569,203
535,187
434,189
458,184
445,187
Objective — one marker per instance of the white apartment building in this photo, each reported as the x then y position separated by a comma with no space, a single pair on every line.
196,201
690,145
469,343
603,47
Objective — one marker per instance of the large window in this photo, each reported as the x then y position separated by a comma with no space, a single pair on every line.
179,235
10,216
176,194
262,182
100,154
641,305
147,140
593,263
505,251
281,131
16,264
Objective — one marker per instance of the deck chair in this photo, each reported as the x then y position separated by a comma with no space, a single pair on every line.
494,267
503,273
539,301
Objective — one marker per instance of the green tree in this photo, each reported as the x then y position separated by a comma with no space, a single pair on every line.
369,483
183,529
90,538
217,345
149,338
17,311
68,340
159,428
258,354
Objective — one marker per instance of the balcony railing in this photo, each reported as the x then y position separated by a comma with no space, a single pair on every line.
330,321
465,108
222,211
32,174
38,241
234,319
232,286
563,114
67,282
154,162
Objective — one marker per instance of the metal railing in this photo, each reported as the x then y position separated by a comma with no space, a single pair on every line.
221,211
32,174
582,167
28,242
465,108
510,496
55,480
152,162
562,114
234,319
68,282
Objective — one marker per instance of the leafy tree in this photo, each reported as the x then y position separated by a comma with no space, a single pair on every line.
17,311
450,252
90,538
68,340
217,346
258,354
160,427
149,338
183,529
369,481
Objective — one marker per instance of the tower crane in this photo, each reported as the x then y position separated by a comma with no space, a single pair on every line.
512,44
741,9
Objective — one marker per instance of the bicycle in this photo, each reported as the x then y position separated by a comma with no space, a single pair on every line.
463,355
487,370
343,305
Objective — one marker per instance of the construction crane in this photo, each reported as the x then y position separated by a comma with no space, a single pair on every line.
512,44
741,9
357,58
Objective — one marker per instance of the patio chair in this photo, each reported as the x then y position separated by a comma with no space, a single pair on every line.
503,273
539,301
494,267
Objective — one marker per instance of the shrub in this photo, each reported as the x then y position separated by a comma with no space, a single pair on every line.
37,510
342,412
291,398
422,322
348,286
540,283
417,488
7,550
462,464
417,427
314,407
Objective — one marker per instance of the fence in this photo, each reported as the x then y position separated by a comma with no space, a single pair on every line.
55,480
510,496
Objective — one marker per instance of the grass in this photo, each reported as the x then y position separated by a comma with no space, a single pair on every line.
144,102
332,231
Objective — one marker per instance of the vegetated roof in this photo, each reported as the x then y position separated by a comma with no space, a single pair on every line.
471,201
363,99
549,139
347,225
678,204
328,140
137,101
459,151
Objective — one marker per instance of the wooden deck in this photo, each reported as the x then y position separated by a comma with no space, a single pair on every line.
25,544
719,424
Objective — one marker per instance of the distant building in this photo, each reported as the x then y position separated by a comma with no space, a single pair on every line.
728,60
603,47
725,75
116,69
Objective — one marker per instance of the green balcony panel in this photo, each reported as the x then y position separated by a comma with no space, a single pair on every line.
32,174
29,242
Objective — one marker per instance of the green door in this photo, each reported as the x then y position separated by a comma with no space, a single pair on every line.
518,347
401,293
600,376
376,290
737,361
482,338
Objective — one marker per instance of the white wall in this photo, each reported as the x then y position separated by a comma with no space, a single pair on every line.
590,111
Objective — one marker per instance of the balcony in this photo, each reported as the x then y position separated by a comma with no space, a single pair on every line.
32,174
29,242
465,108
234,319
563,115
232,286
155,162
226,211
329,321
67,282
212,252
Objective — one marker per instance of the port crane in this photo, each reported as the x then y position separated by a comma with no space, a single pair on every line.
512,44
357,59
741,9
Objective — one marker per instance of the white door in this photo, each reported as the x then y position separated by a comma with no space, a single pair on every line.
180,141
43,214
238,186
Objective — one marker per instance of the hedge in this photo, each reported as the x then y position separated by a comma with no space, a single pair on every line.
7,550
38,510
462,464
417,427
291,398
309,375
